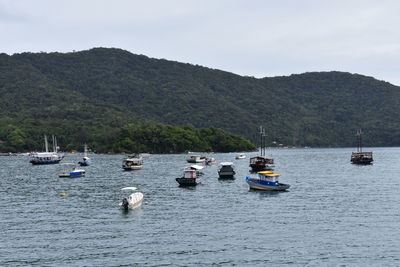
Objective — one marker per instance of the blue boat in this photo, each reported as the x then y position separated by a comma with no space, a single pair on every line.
74,173
266,180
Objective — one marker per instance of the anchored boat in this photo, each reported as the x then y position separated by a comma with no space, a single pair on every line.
361,157
74,173
133,162
262,162
133,201
226,170
86,161
266,180
41,158
189,177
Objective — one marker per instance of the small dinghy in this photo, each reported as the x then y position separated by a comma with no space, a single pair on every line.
74,173
266,180
133,201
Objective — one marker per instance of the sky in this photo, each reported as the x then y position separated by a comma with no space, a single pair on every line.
260,38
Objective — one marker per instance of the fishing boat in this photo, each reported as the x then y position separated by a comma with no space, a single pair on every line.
196,159
41,158
86,161
266,180
261,162
226,170
188,178
133,201
133,162
360,157
240,156
74,173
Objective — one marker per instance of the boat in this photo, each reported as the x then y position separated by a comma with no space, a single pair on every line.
240,156
86,161
210,161
266,180
133,162
188,178
226,170
41,158
360,157
261,162
196,159
74,173
133,201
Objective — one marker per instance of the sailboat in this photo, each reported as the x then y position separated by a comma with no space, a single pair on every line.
40,158
361,157
261,162
86,161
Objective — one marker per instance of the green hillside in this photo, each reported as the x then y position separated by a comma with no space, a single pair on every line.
102,86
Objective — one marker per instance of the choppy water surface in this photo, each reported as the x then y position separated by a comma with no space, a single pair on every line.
335,213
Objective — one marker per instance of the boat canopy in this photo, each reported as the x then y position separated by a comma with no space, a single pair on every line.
226,163
265,172
129,188
272,174
196,167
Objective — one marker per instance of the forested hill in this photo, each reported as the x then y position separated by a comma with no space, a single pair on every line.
102,84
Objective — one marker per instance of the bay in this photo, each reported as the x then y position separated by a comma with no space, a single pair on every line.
336,213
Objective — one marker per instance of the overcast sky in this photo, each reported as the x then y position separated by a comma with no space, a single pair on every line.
249,37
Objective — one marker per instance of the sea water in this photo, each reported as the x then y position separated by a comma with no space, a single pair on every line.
335,213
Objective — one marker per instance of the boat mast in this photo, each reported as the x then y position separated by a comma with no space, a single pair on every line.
45,144
261,140
359,140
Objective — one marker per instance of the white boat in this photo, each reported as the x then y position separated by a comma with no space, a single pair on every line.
41,158
196,159
240,156
133,162
133,201
74,173
86,161
226,170
267,181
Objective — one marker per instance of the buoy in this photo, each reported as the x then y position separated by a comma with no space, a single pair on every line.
63,194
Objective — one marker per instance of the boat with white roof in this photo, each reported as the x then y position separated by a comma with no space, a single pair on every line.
41,158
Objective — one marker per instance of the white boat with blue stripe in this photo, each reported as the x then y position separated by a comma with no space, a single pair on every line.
266,180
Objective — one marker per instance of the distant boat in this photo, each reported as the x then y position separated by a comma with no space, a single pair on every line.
189,178
196,159
210,161
267,181
133,201
86,161
226,170
133,162
261,162
41,158
74,173
361,157
240,156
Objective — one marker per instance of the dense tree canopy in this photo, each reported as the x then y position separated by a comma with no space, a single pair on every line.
103,94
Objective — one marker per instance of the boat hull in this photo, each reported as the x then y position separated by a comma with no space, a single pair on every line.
186,181
226,175
257,185
135,200
72,174
132,168
45,162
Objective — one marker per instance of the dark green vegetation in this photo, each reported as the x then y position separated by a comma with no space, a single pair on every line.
106,97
